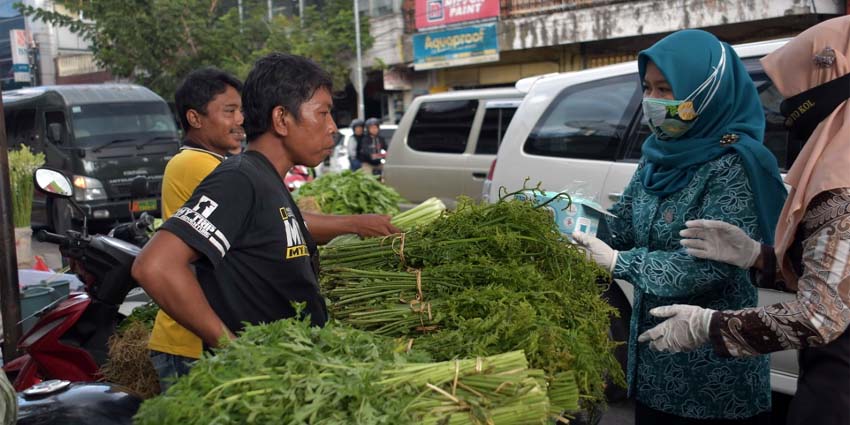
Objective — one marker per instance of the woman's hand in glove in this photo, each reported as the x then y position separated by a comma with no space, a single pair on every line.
597,250
719,241
685,329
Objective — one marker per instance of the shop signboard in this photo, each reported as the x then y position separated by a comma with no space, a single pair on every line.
456,47
19,42
438,13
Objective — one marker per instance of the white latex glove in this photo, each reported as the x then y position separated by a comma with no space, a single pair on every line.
597,250
686,328
719,241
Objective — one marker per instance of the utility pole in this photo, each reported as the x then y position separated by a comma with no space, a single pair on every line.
269,4
241,16
301,11
361,108
9,295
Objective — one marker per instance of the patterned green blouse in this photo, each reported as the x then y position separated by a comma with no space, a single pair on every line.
698,384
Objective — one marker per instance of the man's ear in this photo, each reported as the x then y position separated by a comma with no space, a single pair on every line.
280,120
194,118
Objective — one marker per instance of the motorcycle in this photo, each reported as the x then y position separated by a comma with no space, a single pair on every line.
69,341
67,403
298,176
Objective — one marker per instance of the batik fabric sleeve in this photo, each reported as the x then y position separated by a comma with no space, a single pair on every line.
821,311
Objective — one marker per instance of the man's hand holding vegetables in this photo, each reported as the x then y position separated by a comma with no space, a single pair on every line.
324,227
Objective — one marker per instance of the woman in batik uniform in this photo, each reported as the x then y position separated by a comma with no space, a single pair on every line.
705,158
812,240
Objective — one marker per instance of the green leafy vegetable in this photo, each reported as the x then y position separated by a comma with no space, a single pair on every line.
291,373
481,280
351,192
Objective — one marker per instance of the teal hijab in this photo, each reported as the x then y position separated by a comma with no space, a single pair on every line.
686,59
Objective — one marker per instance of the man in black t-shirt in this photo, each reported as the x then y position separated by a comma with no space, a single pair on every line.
241,225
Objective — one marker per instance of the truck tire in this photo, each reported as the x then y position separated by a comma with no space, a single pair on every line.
59,211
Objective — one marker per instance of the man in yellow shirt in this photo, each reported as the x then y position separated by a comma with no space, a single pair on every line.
210,108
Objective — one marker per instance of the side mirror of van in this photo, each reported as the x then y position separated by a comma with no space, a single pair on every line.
54,132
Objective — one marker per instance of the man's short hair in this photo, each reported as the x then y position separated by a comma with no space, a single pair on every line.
199,88
279,79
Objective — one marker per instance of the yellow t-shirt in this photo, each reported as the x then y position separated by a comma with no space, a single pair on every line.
183,174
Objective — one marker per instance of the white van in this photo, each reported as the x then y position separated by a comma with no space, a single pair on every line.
585,130
445,143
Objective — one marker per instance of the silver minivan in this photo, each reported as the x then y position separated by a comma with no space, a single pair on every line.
445,143
585,129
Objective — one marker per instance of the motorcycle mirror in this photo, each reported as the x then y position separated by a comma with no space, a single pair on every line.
53,183
139,187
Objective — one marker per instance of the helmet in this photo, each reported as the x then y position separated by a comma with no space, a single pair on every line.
373,121
356,123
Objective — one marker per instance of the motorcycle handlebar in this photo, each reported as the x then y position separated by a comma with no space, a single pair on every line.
45,236
144,221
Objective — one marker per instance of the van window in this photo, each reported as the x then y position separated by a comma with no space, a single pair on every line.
586,121
95,123
20,128
493,129
442,126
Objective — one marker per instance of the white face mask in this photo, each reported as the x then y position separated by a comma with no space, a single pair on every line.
670,119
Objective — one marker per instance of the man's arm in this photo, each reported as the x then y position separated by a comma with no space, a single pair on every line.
163,269
324,227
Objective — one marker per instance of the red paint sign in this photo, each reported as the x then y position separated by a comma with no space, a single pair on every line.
435,13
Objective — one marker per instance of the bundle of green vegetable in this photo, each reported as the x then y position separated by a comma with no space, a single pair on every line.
22,165
481,280
291,373
419,215
351,192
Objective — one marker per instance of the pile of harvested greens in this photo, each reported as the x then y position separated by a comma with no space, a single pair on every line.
478,281
350,192
129,362
290,372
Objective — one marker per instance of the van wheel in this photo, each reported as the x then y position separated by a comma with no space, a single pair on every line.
60,215
618,332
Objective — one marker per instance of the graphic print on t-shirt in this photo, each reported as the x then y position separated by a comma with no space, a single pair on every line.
295,245
198,218
206,206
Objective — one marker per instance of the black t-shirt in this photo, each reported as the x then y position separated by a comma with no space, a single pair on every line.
257,256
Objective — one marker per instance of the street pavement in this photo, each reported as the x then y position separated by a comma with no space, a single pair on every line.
48,251
622,413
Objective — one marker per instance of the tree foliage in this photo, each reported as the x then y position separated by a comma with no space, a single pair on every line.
157,42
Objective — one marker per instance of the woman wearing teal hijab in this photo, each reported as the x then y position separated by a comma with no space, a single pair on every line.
705,158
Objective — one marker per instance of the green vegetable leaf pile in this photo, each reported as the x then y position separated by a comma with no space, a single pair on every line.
481,280
288,372
351,192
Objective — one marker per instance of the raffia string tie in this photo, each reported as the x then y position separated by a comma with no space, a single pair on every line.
440,390
400,250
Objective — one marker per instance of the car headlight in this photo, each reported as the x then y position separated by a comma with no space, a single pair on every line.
88,189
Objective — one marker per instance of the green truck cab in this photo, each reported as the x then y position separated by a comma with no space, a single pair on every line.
102,136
